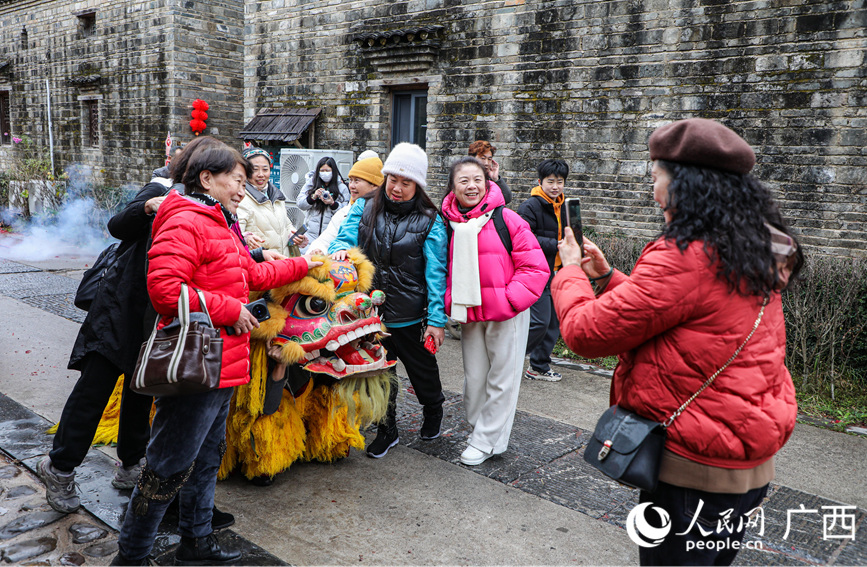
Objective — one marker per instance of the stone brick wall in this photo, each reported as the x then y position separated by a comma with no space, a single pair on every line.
588,81
144,64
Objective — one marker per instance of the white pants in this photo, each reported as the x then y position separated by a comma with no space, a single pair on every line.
493,367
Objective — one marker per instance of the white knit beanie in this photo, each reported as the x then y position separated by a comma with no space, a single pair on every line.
407,160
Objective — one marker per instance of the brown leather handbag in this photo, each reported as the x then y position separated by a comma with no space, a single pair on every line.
184,357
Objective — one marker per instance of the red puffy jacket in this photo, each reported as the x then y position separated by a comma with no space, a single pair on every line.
192,244
673,323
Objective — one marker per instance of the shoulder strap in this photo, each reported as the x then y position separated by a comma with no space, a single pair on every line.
707,383
499,224
502,229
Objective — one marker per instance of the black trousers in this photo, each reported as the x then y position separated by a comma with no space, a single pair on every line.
84,408
713,537
405,343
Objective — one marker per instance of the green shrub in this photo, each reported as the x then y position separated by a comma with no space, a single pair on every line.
4,189
825,311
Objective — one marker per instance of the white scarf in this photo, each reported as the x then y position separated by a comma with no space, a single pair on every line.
466,286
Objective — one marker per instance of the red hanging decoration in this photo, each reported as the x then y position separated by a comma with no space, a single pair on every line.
197,124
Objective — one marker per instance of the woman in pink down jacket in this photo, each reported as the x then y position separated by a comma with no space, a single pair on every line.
489,291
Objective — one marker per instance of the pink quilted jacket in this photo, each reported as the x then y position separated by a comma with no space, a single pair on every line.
510,284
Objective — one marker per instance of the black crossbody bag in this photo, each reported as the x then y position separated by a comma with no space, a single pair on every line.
628,448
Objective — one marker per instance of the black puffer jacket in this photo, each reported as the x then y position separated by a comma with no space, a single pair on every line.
394,242
115,325
540,215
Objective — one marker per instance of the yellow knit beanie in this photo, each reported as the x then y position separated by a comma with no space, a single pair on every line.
369,169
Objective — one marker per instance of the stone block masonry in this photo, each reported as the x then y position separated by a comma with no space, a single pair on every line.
584,80
140,63
588,81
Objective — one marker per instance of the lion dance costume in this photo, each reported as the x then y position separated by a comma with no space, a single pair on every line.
337,377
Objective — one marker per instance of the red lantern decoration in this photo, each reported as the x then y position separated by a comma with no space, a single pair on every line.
197,124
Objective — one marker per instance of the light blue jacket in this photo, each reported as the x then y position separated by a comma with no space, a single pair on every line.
435,249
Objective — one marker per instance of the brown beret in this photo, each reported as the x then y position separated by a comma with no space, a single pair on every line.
697,141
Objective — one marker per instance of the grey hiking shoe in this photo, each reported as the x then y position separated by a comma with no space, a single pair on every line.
60,489
549,376
126,477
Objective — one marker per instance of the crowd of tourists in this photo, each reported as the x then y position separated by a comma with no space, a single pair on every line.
213,222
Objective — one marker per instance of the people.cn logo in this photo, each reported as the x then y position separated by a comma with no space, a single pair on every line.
641,532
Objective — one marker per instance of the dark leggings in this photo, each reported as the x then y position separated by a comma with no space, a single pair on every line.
405,343
84,408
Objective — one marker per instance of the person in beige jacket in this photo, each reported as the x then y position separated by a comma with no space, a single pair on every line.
262,214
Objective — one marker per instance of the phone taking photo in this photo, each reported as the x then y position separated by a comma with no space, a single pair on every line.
572,219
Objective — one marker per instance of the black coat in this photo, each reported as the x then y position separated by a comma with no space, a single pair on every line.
504,188
115,325
542,219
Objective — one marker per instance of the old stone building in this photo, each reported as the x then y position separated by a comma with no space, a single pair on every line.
584,80
121,74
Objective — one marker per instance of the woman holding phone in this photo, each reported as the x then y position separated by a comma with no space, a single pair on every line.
714,273
322,195
262,215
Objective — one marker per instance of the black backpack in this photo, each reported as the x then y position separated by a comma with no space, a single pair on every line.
92,278
499,224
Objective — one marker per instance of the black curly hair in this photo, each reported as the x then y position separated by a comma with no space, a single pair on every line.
728,212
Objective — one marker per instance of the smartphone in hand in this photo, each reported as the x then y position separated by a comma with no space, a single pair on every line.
572,219
298,232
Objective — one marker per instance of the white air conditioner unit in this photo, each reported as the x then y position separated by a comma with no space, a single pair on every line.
295,163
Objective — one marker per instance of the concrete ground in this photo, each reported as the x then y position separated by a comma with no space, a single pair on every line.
537,504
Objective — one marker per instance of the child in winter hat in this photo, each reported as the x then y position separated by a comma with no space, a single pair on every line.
407,160
369,169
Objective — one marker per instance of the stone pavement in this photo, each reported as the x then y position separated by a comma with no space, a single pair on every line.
539,503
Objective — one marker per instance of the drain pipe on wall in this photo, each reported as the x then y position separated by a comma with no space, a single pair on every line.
50,134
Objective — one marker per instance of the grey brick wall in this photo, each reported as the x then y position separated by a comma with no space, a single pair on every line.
589,81
145,63
586,81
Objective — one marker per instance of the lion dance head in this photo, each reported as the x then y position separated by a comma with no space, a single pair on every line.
328,330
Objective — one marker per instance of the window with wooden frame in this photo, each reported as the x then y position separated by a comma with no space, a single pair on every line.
5,121
91,116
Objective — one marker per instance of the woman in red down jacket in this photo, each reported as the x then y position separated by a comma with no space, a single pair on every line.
193,244
691,300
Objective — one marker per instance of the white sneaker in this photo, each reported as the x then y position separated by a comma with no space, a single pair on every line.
126,477
472,456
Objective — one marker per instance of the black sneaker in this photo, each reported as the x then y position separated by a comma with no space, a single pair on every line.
386,438
221,520
433,418
262,480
